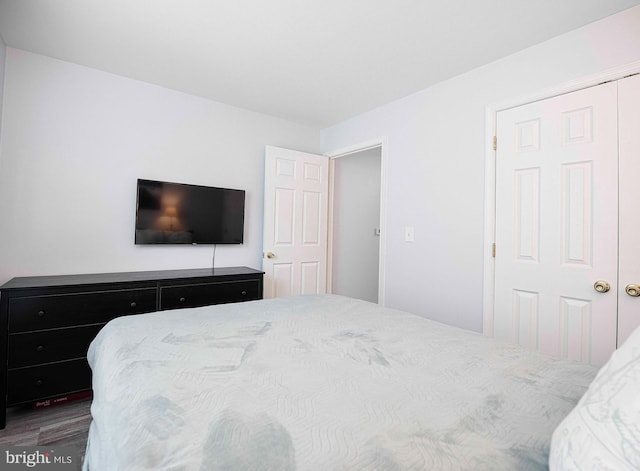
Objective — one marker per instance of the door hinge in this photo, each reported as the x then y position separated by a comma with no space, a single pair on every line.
493,250
495,142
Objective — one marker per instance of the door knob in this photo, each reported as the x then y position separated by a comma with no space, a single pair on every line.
271,255
633,290
601,286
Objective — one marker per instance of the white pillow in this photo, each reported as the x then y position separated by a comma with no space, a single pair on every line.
603,431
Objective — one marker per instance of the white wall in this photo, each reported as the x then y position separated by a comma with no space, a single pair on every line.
356,213
436,163
3,50
76,139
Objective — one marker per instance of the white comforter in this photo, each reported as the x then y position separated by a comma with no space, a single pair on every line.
318,383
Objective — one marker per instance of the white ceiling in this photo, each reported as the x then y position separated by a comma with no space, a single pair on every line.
312,61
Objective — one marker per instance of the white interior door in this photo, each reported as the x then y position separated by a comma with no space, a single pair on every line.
629,238
557,224
295,223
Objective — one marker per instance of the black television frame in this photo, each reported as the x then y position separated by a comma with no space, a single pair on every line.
155,220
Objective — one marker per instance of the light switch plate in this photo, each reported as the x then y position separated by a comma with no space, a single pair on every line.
409,234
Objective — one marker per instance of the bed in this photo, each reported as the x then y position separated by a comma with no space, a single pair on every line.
321,383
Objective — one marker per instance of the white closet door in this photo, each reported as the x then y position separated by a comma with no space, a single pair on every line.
556,224
629,113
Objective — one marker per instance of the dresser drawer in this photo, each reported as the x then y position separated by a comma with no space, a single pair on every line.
54,379
172,297
49,312
47,346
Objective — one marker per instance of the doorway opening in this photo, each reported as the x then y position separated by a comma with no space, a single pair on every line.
356,235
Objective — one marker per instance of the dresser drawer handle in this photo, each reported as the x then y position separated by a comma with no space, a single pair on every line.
133,304
182,300
244,292
39,382
41,313
40,348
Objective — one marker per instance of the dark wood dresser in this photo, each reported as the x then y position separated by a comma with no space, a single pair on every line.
48,322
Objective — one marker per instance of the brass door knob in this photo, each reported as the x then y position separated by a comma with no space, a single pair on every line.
270,255
633,290
601,286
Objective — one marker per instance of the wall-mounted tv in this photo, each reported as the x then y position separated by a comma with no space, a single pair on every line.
177,213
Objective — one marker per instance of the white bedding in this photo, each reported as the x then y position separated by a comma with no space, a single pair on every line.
319,383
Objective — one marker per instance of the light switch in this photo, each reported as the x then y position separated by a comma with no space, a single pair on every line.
408,234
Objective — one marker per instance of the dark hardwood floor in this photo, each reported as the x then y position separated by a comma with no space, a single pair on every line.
61,425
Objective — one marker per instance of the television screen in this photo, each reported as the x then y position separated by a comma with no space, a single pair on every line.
176,213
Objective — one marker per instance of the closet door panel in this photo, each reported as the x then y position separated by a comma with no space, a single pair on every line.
629,264
556,225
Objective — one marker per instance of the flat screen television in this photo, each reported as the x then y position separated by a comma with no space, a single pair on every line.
177,213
